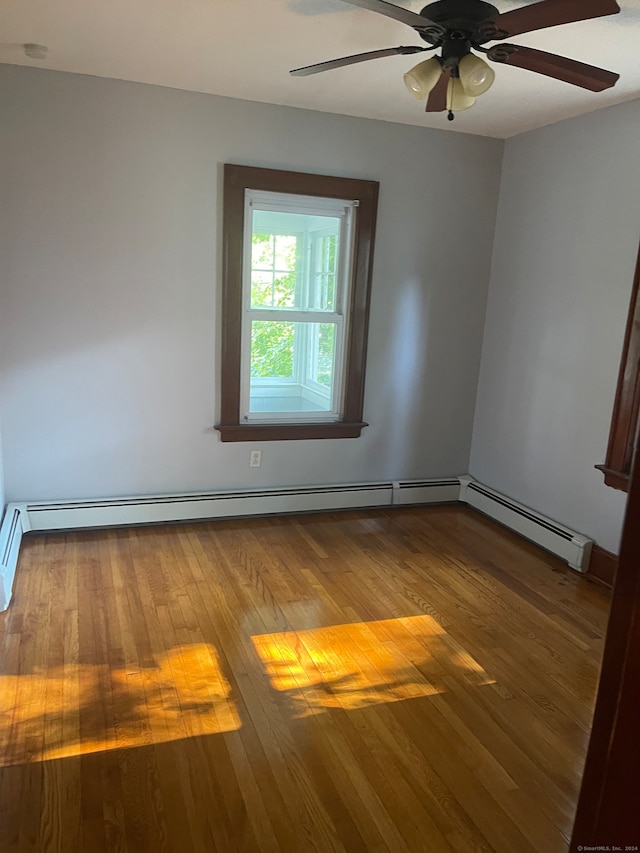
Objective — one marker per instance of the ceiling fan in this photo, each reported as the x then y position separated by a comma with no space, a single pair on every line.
452,80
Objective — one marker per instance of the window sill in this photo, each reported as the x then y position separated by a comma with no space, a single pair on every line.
288,432
615,479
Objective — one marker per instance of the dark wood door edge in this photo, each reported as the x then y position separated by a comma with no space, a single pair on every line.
626,408
603,565
609,806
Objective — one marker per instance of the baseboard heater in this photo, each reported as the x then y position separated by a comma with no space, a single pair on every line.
157,509
565,543
14,524
117,512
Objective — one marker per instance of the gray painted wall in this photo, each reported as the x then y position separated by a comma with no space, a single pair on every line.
110,312
564,258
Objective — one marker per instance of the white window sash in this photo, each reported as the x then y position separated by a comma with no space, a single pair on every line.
337,208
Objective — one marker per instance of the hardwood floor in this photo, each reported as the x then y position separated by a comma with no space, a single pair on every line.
391,680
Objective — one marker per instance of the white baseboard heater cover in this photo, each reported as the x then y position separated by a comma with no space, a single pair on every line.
565,543
410,492
14,524
66,515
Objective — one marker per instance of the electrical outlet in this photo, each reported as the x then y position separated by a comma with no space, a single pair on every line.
255,459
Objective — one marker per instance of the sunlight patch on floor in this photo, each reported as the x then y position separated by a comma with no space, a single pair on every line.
364,663
82,708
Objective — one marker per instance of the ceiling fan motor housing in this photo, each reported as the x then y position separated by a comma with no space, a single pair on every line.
459,19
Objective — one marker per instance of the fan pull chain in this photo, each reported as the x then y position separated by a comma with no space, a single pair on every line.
450,115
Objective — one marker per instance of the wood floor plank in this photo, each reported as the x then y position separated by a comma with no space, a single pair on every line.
404,680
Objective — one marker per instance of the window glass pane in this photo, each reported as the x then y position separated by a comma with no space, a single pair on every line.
296,255
324,353
261,288
293,367
272,350
262,251
286,246
284,291
322,292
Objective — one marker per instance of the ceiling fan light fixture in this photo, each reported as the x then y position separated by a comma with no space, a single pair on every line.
422,78
476,76
454,79
457,98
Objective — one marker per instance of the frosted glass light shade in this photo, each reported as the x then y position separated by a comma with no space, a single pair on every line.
475,75
457,98
422,78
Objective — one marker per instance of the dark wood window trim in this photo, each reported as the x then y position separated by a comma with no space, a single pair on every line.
624,422
237,179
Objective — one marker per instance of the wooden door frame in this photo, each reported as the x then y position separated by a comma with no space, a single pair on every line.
608,812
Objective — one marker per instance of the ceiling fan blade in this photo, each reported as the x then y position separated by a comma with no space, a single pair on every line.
405,16
351,60
552,13
560,67
437,100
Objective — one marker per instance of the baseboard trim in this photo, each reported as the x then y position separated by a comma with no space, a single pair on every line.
603,565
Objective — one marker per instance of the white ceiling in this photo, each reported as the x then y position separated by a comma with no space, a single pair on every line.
244,49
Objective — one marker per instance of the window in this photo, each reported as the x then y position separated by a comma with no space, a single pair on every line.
294,308
625,419
297,264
